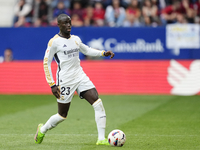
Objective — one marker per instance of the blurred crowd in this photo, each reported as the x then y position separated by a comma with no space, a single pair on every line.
112,13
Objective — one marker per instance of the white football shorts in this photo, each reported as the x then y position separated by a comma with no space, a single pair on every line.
67,90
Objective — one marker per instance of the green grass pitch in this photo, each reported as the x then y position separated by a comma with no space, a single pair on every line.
150,122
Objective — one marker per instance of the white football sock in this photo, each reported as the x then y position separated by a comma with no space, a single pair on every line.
100,118
52,123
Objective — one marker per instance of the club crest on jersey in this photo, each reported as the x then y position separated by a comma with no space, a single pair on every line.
64,45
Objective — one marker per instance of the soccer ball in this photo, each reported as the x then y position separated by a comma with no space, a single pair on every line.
116,138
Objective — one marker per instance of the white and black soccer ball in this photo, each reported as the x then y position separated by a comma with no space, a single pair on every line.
116,138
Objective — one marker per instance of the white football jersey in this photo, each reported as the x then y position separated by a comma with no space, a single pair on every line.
66,54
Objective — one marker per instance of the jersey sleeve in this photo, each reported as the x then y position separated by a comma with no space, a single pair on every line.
49,54
90,51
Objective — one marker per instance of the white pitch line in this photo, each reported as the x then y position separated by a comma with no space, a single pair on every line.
49,134
163,135
153,135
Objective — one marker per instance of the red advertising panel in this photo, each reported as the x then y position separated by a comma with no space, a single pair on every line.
109,77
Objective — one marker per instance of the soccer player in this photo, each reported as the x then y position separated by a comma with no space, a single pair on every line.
65,48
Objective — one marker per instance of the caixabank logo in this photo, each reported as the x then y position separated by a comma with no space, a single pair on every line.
138,46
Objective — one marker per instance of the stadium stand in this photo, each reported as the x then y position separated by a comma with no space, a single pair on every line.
90,13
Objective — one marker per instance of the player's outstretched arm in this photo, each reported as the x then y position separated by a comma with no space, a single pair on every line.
94,52
109,53
56,91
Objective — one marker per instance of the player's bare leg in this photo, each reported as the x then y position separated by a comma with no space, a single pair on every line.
100,116
63,109
52,122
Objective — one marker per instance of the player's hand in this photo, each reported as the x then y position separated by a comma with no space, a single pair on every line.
109,53
56,91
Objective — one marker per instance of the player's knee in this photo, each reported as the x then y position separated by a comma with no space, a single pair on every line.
63,109
90,95
63,113
95,95
94,99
